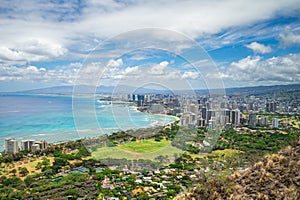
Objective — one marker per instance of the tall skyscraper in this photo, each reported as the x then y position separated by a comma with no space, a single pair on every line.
235,117
203,113
227,114
210,114
252,120
11,146
275,123
270,107
26,144
263,121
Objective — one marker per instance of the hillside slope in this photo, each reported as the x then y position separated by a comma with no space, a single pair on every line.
277,176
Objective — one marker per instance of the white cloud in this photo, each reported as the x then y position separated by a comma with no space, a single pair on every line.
78,27
115,63
159,69
31,51
190,75
46,31
33,69
258,71
40,47
259,48
289,39
132,70
190,17
60,75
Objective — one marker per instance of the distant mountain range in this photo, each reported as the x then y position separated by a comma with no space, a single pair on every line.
263,90
123,89
86,89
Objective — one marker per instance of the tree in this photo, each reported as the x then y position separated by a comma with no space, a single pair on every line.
39,165
29,180
23,171
59,163
16,195
83,151
46,162
13,171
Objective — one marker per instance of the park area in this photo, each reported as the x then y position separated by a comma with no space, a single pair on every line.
140,149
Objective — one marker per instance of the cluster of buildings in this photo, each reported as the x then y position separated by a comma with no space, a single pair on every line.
12,145
208,112
193,112
262,121
210,118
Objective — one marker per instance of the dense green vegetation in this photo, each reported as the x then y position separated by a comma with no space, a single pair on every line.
256,142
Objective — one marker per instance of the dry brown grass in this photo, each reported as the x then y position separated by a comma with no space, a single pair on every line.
277,176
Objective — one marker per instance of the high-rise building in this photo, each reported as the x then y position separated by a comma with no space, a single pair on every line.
210,114
275,123
201,122
211,124
140,100
35,147
270,107
227,114
134,97
203,113
42,144
263,121
11,146
235,117
252,120
26,144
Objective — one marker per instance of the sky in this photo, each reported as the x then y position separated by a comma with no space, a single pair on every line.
174,44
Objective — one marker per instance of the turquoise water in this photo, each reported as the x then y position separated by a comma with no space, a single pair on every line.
57,118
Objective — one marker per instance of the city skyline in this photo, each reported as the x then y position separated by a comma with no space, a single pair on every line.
45,44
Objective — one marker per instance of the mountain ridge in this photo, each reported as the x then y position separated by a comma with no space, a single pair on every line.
124,89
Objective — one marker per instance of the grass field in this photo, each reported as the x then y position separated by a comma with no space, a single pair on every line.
145,149
145,146
226,153
30,165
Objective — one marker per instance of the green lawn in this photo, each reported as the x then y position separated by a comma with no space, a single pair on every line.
145,149
145,146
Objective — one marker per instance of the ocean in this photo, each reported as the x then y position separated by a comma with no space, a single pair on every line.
57,119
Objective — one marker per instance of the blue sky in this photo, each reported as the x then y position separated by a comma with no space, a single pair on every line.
180,45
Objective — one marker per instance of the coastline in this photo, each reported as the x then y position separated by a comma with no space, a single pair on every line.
176,118
72,134
107,134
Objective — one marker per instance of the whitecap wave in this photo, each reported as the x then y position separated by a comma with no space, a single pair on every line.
10,111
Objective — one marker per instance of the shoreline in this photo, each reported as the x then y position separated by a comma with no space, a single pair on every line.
107,132
116,131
